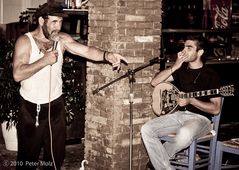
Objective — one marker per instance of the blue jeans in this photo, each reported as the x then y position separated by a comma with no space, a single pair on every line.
187,126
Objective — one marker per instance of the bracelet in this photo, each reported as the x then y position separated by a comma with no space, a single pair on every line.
104,55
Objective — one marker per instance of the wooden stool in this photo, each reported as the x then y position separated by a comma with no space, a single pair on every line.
205,146
230,146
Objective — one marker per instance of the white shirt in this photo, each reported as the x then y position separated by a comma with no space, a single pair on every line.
46,85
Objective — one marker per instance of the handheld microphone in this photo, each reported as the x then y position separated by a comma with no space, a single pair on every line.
55,38
54,45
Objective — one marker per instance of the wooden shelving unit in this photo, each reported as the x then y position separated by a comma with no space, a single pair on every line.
183,18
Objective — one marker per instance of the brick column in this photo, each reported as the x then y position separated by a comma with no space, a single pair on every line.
132,28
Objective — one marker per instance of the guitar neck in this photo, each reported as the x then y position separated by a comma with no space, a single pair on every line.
199,93
165,96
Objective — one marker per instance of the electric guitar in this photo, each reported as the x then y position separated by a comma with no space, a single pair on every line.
165,93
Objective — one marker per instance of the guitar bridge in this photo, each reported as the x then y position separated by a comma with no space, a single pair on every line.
168,101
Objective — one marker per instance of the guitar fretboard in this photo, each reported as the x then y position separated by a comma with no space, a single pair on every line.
199,93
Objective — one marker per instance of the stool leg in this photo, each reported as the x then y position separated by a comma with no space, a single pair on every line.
219,153
192,155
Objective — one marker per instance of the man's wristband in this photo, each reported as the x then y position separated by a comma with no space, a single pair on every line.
104,56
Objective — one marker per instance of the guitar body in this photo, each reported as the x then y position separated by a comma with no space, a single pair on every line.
164,98
165,93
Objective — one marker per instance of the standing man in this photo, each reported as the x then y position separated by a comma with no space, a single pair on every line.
193,119
37,65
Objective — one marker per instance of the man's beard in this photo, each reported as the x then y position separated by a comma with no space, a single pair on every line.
45,31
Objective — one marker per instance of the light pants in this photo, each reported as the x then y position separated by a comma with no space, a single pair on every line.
185,124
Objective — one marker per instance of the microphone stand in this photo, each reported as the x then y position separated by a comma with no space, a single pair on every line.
131,75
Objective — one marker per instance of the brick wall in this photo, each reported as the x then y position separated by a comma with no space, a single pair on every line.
132,28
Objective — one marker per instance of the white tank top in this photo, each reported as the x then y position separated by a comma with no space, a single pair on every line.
36,89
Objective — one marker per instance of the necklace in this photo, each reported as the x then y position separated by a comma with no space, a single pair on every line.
199,70
195,80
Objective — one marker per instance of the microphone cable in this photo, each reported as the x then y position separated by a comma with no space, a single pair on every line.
49,112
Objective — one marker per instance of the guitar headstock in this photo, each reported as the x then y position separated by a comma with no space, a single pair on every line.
227,90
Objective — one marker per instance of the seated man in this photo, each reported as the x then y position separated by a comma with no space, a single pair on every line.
192,120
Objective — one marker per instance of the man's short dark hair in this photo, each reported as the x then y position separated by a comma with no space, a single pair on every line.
199,39
201,43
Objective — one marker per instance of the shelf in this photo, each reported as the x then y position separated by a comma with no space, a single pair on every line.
223,61
199,30
76,11
215,61
68,11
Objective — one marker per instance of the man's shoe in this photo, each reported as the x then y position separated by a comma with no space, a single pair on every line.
150,166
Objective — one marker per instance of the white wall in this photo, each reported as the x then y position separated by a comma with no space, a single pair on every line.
10,10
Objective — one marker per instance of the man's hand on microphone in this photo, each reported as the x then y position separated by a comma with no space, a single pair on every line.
50,57
52,54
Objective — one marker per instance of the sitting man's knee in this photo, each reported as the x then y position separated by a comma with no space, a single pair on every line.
146,130
185,135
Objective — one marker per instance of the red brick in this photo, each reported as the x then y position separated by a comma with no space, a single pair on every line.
132,28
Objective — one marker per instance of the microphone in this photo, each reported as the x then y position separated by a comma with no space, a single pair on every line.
55,38
54,45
